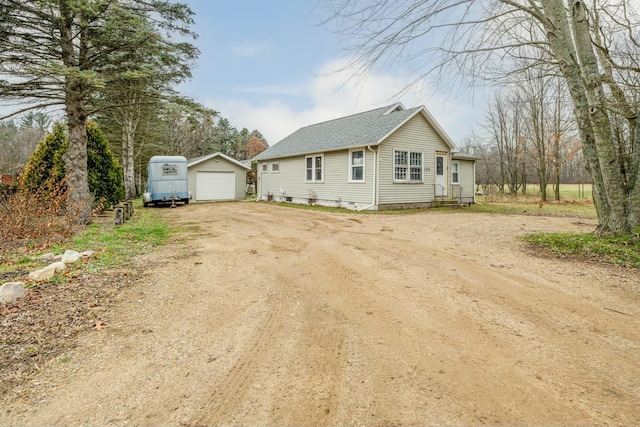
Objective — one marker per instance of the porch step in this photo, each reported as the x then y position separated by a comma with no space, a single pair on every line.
446,203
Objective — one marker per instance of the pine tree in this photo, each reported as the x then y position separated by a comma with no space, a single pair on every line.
46,166
104,171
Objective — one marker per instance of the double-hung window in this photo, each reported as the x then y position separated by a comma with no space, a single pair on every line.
415,166
407,166
400,165
455,173
275,167
264,167
356,166
314,168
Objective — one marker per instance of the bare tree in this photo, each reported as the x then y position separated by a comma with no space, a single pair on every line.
470,39
18,140
503,130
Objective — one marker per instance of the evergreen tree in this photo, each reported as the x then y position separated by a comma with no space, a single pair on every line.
104,171
46,166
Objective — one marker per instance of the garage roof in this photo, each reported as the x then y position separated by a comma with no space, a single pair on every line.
201,159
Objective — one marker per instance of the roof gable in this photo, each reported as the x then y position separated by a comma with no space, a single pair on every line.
358,130
201,159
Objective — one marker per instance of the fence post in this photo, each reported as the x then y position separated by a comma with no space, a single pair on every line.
119,216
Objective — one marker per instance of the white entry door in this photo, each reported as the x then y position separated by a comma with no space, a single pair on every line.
441,174
215,186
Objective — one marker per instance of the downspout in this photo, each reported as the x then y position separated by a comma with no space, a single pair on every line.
375,181
474,182
258,182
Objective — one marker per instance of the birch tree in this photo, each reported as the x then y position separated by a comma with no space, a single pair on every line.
594,48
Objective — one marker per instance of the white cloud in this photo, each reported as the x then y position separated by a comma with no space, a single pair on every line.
252,49
333,94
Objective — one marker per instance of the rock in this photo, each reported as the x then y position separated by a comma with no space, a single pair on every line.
70,256
58,266
11,291
47,272
42,274
48,257
87,254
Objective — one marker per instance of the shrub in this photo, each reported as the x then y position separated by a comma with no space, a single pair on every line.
46,166
106,180
43,215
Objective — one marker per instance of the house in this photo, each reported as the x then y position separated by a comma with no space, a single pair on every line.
217,177
386,158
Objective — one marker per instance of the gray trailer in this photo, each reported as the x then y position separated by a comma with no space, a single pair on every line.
167,181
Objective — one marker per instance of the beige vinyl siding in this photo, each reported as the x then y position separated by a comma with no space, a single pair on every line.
221,165
333,190
417,135
467,178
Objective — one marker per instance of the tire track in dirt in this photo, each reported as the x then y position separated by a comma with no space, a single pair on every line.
230,390
385,297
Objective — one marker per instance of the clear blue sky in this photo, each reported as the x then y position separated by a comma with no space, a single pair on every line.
270,65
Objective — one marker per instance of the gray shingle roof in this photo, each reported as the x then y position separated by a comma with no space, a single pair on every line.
464,156
357,130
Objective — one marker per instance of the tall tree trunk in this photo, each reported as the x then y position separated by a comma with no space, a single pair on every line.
556,169
634,193
613,179
75,158
556,138
128,134
561,43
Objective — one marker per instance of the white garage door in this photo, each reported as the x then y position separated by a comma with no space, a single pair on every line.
215,186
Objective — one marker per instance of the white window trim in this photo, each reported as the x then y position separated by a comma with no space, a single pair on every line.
277,165
453,170
313,168
265,168
364,168
408,180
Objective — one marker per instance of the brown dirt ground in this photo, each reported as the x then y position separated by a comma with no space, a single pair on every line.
267,315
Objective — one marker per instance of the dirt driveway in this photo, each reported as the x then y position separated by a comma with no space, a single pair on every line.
267,315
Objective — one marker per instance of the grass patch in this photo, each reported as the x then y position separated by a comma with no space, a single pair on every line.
116,245
525,207
567,192
619,249
113,245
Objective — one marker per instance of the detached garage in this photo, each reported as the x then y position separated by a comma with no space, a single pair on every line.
217,177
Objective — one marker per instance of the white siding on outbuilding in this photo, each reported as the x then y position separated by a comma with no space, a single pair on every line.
217,177
467,178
